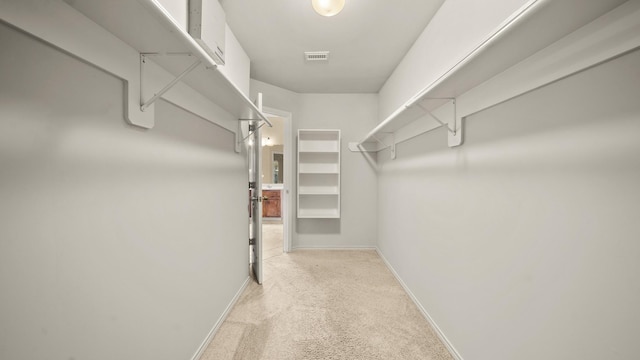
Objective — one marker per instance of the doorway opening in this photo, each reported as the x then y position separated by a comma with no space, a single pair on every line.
276,184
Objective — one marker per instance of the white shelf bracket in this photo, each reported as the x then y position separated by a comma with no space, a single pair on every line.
143,60
363,147
253,123
391,146
58,24
252,130
454,127
367,147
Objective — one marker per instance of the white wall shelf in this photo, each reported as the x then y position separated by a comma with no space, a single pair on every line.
529,30
318,174
149,29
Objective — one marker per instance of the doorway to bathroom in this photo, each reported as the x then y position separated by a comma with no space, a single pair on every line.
276,184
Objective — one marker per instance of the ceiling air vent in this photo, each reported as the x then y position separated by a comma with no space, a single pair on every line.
316,55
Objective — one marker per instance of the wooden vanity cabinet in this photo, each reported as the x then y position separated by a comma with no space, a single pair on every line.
271,205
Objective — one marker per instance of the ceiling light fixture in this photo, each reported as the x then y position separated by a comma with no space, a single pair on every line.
327,7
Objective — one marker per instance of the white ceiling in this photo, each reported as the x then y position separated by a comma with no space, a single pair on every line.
367,40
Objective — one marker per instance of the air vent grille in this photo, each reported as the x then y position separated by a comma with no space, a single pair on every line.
316,55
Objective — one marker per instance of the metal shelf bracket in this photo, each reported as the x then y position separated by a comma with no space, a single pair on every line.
253,124
391,146
454,126
366,147
252,130
143,60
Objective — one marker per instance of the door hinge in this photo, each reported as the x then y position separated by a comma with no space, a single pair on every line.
252,184
252,241
252,127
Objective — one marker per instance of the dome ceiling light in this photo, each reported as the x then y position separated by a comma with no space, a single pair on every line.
327,7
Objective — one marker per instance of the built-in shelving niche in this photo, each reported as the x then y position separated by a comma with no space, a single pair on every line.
318,174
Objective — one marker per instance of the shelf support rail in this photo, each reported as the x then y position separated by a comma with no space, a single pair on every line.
156,96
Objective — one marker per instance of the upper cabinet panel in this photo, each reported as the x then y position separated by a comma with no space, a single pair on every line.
150,27
207,25
237,63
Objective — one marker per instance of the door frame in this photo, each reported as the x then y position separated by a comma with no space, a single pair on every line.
286,197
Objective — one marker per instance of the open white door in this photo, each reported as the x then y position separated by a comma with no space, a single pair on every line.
255,193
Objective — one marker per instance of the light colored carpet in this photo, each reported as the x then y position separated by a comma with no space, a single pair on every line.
272,242
326,304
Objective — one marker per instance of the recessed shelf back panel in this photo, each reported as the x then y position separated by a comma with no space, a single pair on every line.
318,184
318,146
326,206
319,163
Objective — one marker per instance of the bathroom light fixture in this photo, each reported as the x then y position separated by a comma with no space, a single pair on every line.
327,7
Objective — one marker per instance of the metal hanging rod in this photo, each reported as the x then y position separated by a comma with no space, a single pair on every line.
167,54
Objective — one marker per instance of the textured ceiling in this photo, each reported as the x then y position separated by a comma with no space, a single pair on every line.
367,40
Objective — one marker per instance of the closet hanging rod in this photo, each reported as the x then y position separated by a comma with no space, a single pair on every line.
523,13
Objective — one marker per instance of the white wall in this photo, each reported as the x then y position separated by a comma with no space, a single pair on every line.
456,29
523,243
276,97
353,114
115,243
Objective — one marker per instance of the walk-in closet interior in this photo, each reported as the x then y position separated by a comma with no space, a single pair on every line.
156,155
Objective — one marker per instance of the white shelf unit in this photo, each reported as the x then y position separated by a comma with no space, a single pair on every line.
535,26
149,28
318,174
146,27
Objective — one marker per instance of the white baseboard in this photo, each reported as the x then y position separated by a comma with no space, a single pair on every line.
363,247
222,318
424,312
